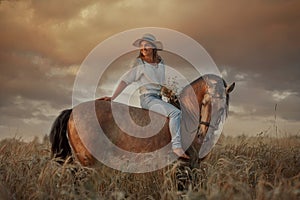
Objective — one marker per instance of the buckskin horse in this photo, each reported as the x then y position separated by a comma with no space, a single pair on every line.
75,131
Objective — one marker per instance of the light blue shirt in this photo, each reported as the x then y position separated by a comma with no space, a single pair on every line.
149,77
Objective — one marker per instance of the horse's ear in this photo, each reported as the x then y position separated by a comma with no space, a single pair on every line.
230,88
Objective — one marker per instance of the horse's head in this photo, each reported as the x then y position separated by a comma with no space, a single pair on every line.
205,106
214,105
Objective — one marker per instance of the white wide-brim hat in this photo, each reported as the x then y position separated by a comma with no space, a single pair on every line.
151,39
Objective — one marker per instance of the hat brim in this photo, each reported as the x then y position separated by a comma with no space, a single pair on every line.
157,44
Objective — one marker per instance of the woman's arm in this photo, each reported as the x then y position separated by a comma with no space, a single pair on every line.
122,85
126,79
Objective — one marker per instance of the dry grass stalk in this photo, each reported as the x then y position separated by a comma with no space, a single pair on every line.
238,168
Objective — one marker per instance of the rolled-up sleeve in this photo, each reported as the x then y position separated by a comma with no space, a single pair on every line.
135,72
130,76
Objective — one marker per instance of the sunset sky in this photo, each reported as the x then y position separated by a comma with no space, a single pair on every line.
254,43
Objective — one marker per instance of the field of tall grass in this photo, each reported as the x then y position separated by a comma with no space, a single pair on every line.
237,168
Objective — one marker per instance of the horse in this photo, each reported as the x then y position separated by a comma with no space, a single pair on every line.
84,129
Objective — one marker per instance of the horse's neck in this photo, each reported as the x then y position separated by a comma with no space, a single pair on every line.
197,88
192,95
200,86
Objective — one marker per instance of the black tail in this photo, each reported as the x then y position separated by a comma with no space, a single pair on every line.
60,147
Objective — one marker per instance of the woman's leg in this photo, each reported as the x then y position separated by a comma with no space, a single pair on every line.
154,103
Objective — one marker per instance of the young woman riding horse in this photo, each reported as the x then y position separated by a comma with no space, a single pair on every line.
149,73
74,131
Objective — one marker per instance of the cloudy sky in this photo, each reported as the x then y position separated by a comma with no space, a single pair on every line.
254,43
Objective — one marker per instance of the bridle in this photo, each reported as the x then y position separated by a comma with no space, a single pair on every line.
208,124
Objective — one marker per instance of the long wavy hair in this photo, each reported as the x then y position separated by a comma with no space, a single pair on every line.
155,55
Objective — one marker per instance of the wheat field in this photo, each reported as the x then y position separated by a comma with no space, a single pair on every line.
237,168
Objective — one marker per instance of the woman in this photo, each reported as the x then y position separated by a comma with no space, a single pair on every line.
149,73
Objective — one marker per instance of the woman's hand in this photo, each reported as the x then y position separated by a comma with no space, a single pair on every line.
105,98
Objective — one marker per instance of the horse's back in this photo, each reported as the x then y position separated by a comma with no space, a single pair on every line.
126,127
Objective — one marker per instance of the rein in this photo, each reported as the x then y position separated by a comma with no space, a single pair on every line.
208,124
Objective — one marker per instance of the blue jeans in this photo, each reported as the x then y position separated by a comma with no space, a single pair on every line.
154,103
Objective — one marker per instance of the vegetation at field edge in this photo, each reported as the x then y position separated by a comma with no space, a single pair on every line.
237,168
